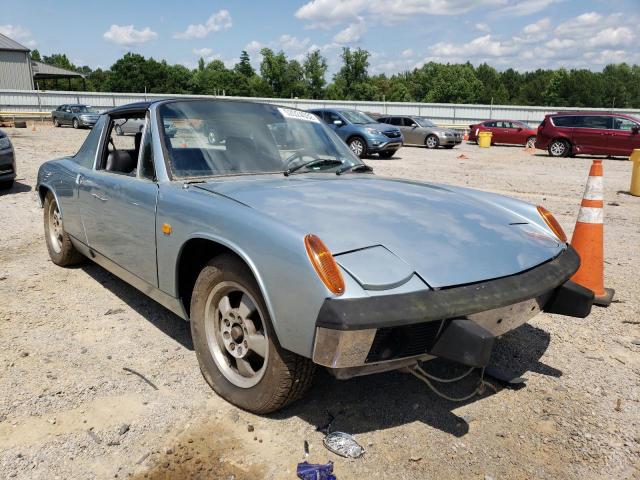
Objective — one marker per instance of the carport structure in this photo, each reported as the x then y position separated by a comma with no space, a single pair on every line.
44,71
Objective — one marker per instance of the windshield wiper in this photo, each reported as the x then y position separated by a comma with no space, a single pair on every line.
313,163
357,167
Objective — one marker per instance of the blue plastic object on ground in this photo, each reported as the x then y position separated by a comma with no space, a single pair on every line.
310,471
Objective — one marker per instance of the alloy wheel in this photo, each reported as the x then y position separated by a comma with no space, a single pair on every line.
55,227
236,334
558,148
356,146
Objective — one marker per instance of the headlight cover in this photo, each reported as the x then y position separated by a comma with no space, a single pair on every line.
373,131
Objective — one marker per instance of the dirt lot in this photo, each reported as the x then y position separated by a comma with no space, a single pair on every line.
69,410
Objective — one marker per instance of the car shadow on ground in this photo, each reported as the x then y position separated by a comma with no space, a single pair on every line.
386,400
164,320
375,402
586,157
17,187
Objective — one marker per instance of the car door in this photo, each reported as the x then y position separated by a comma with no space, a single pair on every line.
623,138
489,127
68,115
331,117
119,208
501,132
590,133
413,134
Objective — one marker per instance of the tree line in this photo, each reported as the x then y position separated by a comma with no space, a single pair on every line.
617,85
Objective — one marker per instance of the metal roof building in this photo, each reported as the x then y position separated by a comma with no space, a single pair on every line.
18,71
15,65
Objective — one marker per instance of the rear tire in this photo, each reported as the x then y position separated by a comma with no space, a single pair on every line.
56,122
61,250
387,153
531,142
559,148
358,146
230,324
75,123
431,141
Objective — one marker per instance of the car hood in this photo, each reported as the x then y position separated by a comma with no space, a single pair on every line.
441,131
446,237
383,127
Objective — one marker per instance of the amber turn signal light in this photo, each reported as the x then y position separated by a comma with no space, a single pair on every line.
324,263
552,223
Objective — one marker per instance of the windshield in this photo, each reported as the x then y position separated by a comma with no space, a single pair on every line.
424,122
83,109
359,118
213,138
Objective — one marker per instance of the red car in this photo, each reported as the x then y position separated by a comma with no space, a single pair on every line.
504,131
594,133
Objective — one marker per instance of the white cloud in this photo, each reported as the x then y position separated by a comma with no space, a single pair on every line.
128,36
217,22
408,53
352,33
483,27
541,26
328,13
19,34
589,40
203,52
612,37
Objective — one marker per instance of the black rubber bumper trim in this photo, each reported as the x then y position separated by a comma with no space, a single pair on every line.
426,305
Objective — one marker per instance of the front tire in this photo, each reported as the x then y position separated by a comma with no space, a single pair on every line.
431,141
559,148
56,122
118,130
61,250
387,153
236,346
358,146
75,123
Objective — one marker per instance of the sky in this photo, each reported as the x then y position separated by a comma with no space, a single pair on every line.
399,34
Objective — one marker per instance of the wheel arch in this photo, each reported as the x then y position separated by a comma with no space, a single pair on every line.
43,189
195,252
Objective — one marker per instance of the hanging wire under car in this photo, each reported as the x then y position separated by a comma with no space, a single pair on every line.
426,377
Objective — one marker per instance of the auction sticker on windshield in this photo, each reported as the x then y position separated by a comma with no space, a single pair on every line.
298,115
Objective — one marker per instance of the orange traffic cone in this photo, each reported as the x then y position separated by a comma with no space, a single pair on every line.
588,238
466,136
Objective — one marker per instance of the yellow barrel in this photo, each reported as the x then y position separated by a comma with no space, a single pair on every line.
484,139
635,173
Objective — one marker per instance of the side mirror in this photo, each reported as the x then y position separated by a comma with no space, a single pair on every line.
414,125
519,129
337,123
635,129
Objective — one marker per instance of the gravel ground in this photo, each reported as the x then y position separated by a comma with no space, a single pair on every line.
70,410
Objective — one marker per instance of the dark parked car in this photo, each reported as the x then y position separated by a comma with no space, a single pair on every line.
505,131
361,132
7,162
593,133
75,115
422,131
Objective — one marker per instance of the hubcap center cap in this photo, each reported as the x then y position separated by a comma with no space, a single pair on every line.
236,333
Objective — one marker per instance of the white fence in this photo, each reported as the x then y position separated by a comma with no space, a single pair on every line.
17,101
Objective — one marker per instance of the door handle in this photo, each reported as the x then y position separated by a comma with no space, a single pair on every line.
102,199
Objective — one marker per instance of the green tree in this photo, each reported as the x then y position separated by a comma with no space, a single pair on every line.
243,67
315,70
35,55
273,69
352,80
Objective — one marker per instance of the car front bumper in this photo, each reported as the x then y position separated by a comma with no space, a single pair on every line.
7,165
89,122
381,144
454,140
361,335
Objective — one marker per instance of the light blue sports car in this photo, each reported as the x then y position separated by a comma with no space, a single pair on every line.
285,252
